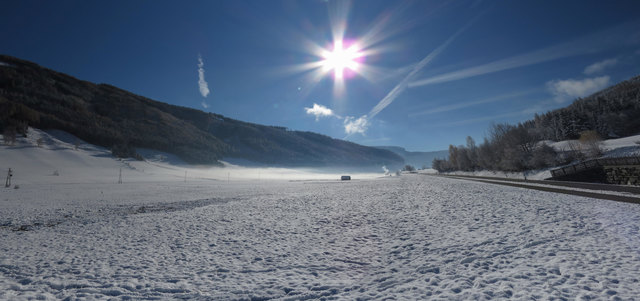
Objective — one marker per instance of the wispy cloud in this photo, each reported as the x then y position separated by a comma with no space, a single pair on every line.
569,89
204,104
320,111
600,66
528,111
202,84
605,39
353,125
464,105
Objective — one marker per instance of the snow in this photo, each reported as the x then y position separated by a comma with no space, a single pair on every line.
622,147
79,162
612,148
416,236
541,174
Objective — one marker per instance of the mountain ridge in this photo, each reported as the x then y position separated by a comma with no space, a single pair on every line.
105,115
416,159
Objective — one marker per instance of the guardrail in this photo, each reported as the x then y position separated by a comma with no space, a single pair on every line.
593,164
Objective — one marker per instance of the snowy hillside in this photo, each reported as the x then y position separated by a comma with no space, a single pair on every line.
75,161
621,147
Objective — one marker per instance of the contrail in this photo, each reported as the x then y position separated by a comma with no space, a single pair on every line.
615,36
400,87
465,105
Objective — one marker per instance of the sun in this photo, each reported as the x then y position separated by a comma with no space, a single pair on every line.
341,59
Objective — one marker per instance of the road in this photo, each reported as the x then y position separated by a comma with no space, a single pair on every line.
572,188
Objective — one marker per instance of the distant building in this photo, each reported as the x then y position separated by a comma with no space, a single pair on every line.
345,178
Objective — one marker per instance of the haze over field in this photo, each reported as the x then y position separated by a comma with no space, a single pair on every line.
65,159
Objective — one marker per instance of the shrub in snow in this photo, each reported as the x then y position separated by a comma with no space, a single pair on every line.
591,142
409,168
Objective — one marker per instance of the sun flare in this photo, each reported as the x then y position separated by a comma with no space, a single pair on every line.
341,59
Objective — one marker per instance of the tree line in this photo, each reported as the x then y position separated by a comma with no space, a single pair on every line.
610,113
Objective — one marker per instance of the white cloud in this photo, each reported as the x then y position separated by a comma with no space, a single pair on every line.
353,125
204,86
600,66
569,89
319,111
204,104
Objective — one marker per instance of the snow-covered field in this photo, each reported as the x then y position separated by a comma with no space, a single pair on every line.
406,237
409,237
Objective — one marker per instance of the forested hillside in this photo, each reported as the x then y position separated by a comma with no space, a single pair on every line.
610,113
104,115
613,112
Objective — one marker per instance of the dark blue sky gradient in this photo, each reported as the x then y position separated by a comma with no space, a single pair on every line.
250,49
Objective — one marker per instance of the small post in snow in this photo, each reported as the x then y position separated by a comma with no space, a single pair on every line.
7,183
120,177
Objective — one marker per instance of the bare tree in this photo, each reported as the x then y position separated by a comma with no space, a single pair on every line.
591,143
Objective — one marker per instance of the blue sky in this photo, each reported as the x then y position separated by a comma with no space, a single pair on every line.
428,73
